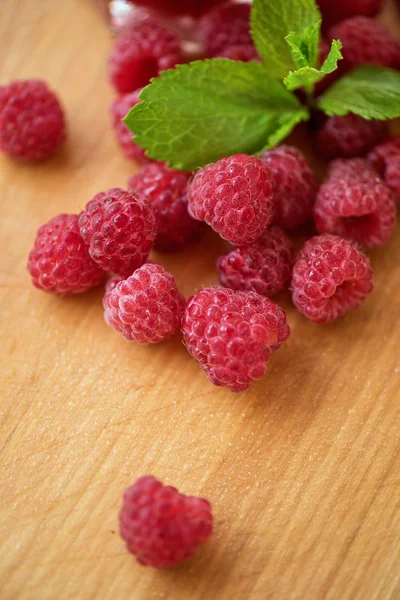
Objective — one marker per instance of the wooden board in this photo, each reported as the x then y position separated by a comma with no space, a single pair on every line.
303,471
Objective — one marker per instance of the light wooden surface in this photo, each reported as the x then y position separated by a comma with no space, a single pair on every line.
303,471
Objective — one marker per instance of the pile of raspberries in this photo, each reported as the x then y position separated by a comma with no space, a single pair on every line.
252,202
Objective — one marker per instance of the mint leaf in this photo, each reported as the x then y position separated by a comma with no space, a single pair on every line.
202,111
369,91
307,76
273,21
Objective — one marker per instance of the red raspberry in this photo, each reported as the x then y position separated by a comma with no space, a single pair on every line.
119,228
334,11
365,41
166,191
59,261
140,53
160,526
243,52
330,277
354,203
226,25
32,123
349,136
295,186
146,308
263,267
177,7
119,109
235,196
386,160
232,334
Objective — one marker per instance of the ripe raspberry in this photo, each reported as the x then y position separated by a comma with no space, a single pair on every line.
386,160
263,267
146,308
349,136
235,196
160,526
354,203
365,41
295,186
59,262
334,11
226,25
140,53
330,277
119,227
243,52
32,123
166,191
232,334
178,7
119,109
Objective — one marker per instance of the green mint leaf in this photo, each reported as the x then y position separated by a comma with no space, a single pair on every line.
199,112
273,20
307,76
369,91
304,46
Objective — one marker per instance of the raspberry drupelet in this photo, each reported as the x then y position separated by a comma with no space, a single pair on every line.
119,227
295,186
140,52
334,11
32,125
365,41
386,159
224,26
232,334
146,307
354,203
331,276
264,267
160,526
59,262
235,196
349,136
166,191
118,110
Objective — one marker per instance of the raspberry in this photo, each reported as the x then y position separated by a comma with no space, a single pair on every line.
330,277
365,41
119,228
243,52
226,25
119,109
235,196
354,203
334,11
349,136
146,308
177,7
295,186
59,262
32,123
160,526
166,191
263,267
232,334
386,160
140,53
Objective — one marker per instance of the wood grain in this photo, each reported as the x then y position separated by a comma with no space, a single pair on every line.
303,471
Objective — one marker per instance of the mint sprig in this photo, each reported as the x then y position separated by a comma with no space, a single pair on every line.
199,112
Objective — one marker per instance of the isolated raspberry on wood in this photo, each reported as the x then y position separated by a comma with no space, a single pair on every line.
32,125
232,334
160,526
330,277
59,262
